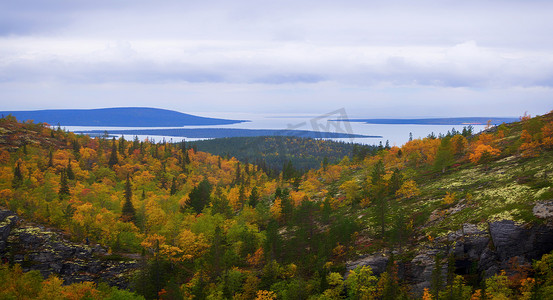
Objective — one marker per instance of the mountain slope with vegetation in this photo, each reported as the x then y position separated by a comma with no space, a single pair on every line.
399,222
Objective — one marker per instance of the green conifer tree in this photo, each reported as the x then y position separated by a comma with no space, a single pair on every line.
173,186
122,145
379,195
113,159
395,182
17,176
128,213
64,185
69,170
50,159
76,149
237,179
254,197
200,196
437,279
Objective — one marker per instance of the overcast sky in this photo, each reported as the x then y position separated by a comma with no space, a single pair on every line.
373,58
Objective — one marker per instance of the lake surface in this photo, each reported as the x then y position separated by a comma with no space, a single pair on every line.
396,134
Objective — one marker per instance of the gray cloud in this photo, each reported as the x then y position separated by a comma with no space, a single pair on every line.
150,62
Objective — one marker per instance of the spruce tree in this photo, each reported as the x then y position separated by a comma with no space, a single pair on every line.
241,195
288,170
17,176
76,146
395,182
436,283
128,212
183,147
237,178
50,158
64,185
173,187
254,196
76,149
122,145
200,196
379,196
113,160
185,160
69,170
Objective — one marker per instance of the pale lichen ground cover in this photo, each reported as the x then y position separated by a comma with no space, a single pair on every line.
495,193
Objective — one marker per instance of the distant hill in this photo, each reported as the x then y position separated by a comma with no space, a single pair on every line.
440,121
117,117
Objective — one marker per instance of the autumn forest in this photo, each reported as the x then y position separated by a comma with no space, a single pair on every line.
204,226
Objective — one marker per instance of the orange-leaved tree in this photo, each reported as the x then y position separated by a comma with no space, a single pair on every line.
483,154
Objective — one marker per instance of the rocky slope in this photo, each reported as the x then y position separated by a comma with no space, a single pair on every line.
38,248
482,250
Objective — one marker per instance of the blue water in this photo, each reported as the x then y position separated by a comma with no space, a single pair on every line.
396,134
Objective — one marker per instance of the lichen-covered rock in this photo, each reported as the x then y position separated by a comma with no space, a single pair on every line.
419,270
478,250
510,240
543,209
488,262
377,262
7,221
469,242
491,250
37,248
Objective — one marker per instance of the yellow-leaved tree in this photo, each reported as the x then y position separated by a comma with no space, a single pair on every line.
408,190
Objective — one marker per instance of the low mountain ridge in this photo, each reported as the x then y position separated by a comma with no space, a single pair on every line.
117,117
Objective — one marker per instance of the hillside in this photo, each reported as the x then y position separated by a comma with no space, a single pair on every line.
116,117
438,216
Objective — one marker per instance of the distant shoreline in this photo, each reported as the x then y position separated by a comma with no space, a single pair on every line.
225,132
438,121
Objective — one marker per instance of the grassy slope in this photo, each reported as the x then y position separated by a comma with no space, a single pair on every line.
505,189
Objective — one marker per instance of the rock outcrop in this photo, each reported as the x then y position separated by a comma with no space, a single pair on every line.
479,251
37,248
378,263
7,221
